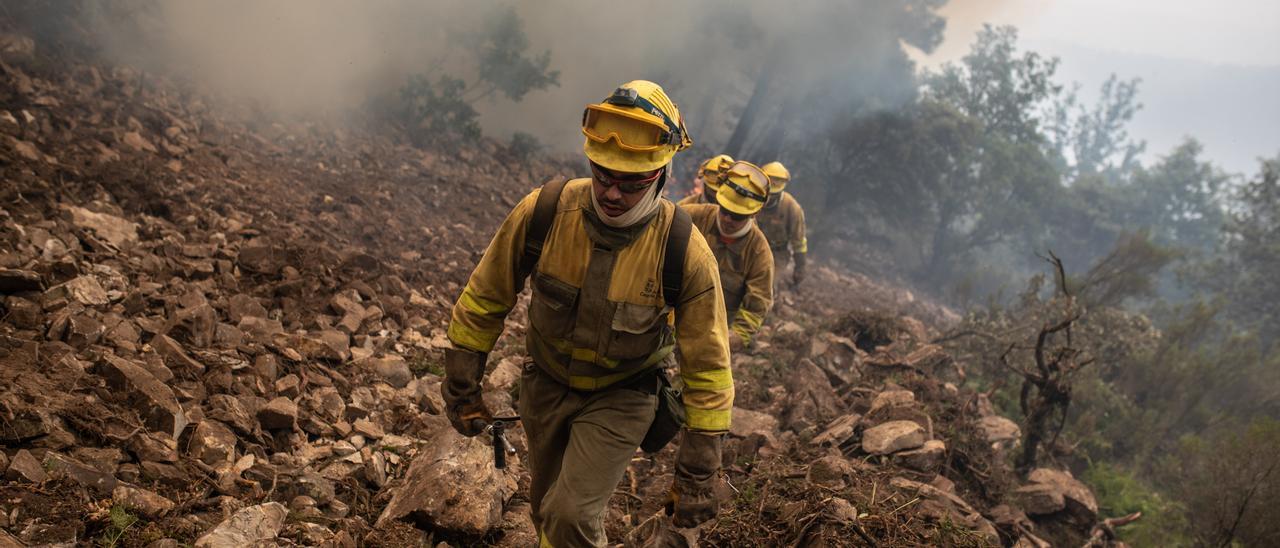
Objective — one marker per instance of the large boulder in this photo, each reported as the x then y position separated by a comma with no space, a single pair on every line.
452,486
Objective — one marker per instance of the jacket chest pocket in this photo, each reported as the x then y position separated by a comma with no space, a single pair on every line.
552,308
637,331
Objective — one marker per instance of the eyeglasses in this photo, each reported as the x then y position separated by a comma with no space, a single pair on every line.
735,216
625,185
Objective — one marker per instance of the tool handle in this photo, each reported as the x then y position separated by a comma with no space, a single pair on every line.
499,445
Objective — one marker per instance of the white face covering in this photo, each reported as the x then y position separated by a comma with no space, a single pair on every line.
746,227
639,212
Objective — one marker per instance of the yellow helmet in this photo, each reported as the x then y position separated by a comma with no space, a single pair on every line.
713,170
744,189
636,129
778,176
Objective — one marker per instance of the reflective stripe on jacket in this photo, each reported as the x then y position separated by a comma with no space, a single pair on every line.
746,271
597,315
783,224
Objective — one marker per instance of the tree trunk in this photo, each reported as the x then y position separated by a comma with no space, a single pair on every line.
751,113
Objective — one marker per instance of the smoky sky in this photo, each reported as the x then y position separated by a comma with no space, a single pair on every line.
322,57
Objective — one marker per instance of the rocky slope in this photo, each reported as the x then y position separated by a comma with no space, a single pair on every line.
219,330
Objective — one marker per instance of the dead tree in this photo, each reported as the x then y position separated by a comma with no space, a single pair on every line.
1045,397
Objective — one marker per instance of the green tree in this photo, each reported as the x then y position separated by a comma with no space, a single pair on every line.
1247,275
1093,140
929,179
441,110
1229,482
998,85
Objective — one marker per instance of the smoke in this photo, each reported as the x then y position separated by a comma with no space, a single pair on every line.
799,63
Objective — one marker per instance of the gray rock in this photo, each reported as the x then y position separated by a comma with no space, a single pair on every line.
1075,495
242,306
213,443
145,502
746,422
1040,499
453,486
999,430
839,431
84,290
928,458
24,467
892,398
152,399
246,527
154,446
392,369
368,429
114,230
891,437
84,475
174,355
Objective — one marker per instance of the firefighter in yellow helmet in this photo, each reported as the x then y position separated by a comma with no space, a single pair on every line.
783,223
741,250
710,173
614,288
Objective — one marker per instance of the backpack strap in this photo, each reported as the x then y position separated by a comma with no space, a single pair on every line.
673,260
544,213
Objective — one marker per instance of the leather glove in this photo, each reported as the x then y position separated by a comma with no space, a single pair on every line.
463,397
693,498
797,273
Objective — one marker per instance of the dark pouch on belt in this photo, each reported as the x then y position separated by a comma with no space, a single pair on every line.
669,419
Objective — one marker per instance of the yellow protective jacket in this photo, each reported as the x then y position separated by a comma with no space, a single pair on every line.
693,199
783,224
597,316
746,271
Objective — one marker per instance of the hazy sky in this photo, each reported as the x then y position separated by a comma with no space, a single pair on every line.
1209,70
1241,32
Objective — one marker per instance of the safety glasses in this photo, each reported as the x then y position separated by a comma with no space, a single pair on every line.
627,185
735,216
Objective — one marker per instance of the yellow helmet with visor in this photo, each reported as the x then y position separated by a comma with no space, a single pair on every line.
636,129
744,189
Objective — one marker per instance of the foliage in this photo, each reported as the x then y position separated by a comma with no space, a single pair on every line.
439,110
997,86
1230,483
1246,274
442,111
1092,141
120,522
1120,492
524,145
931,179
499,48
